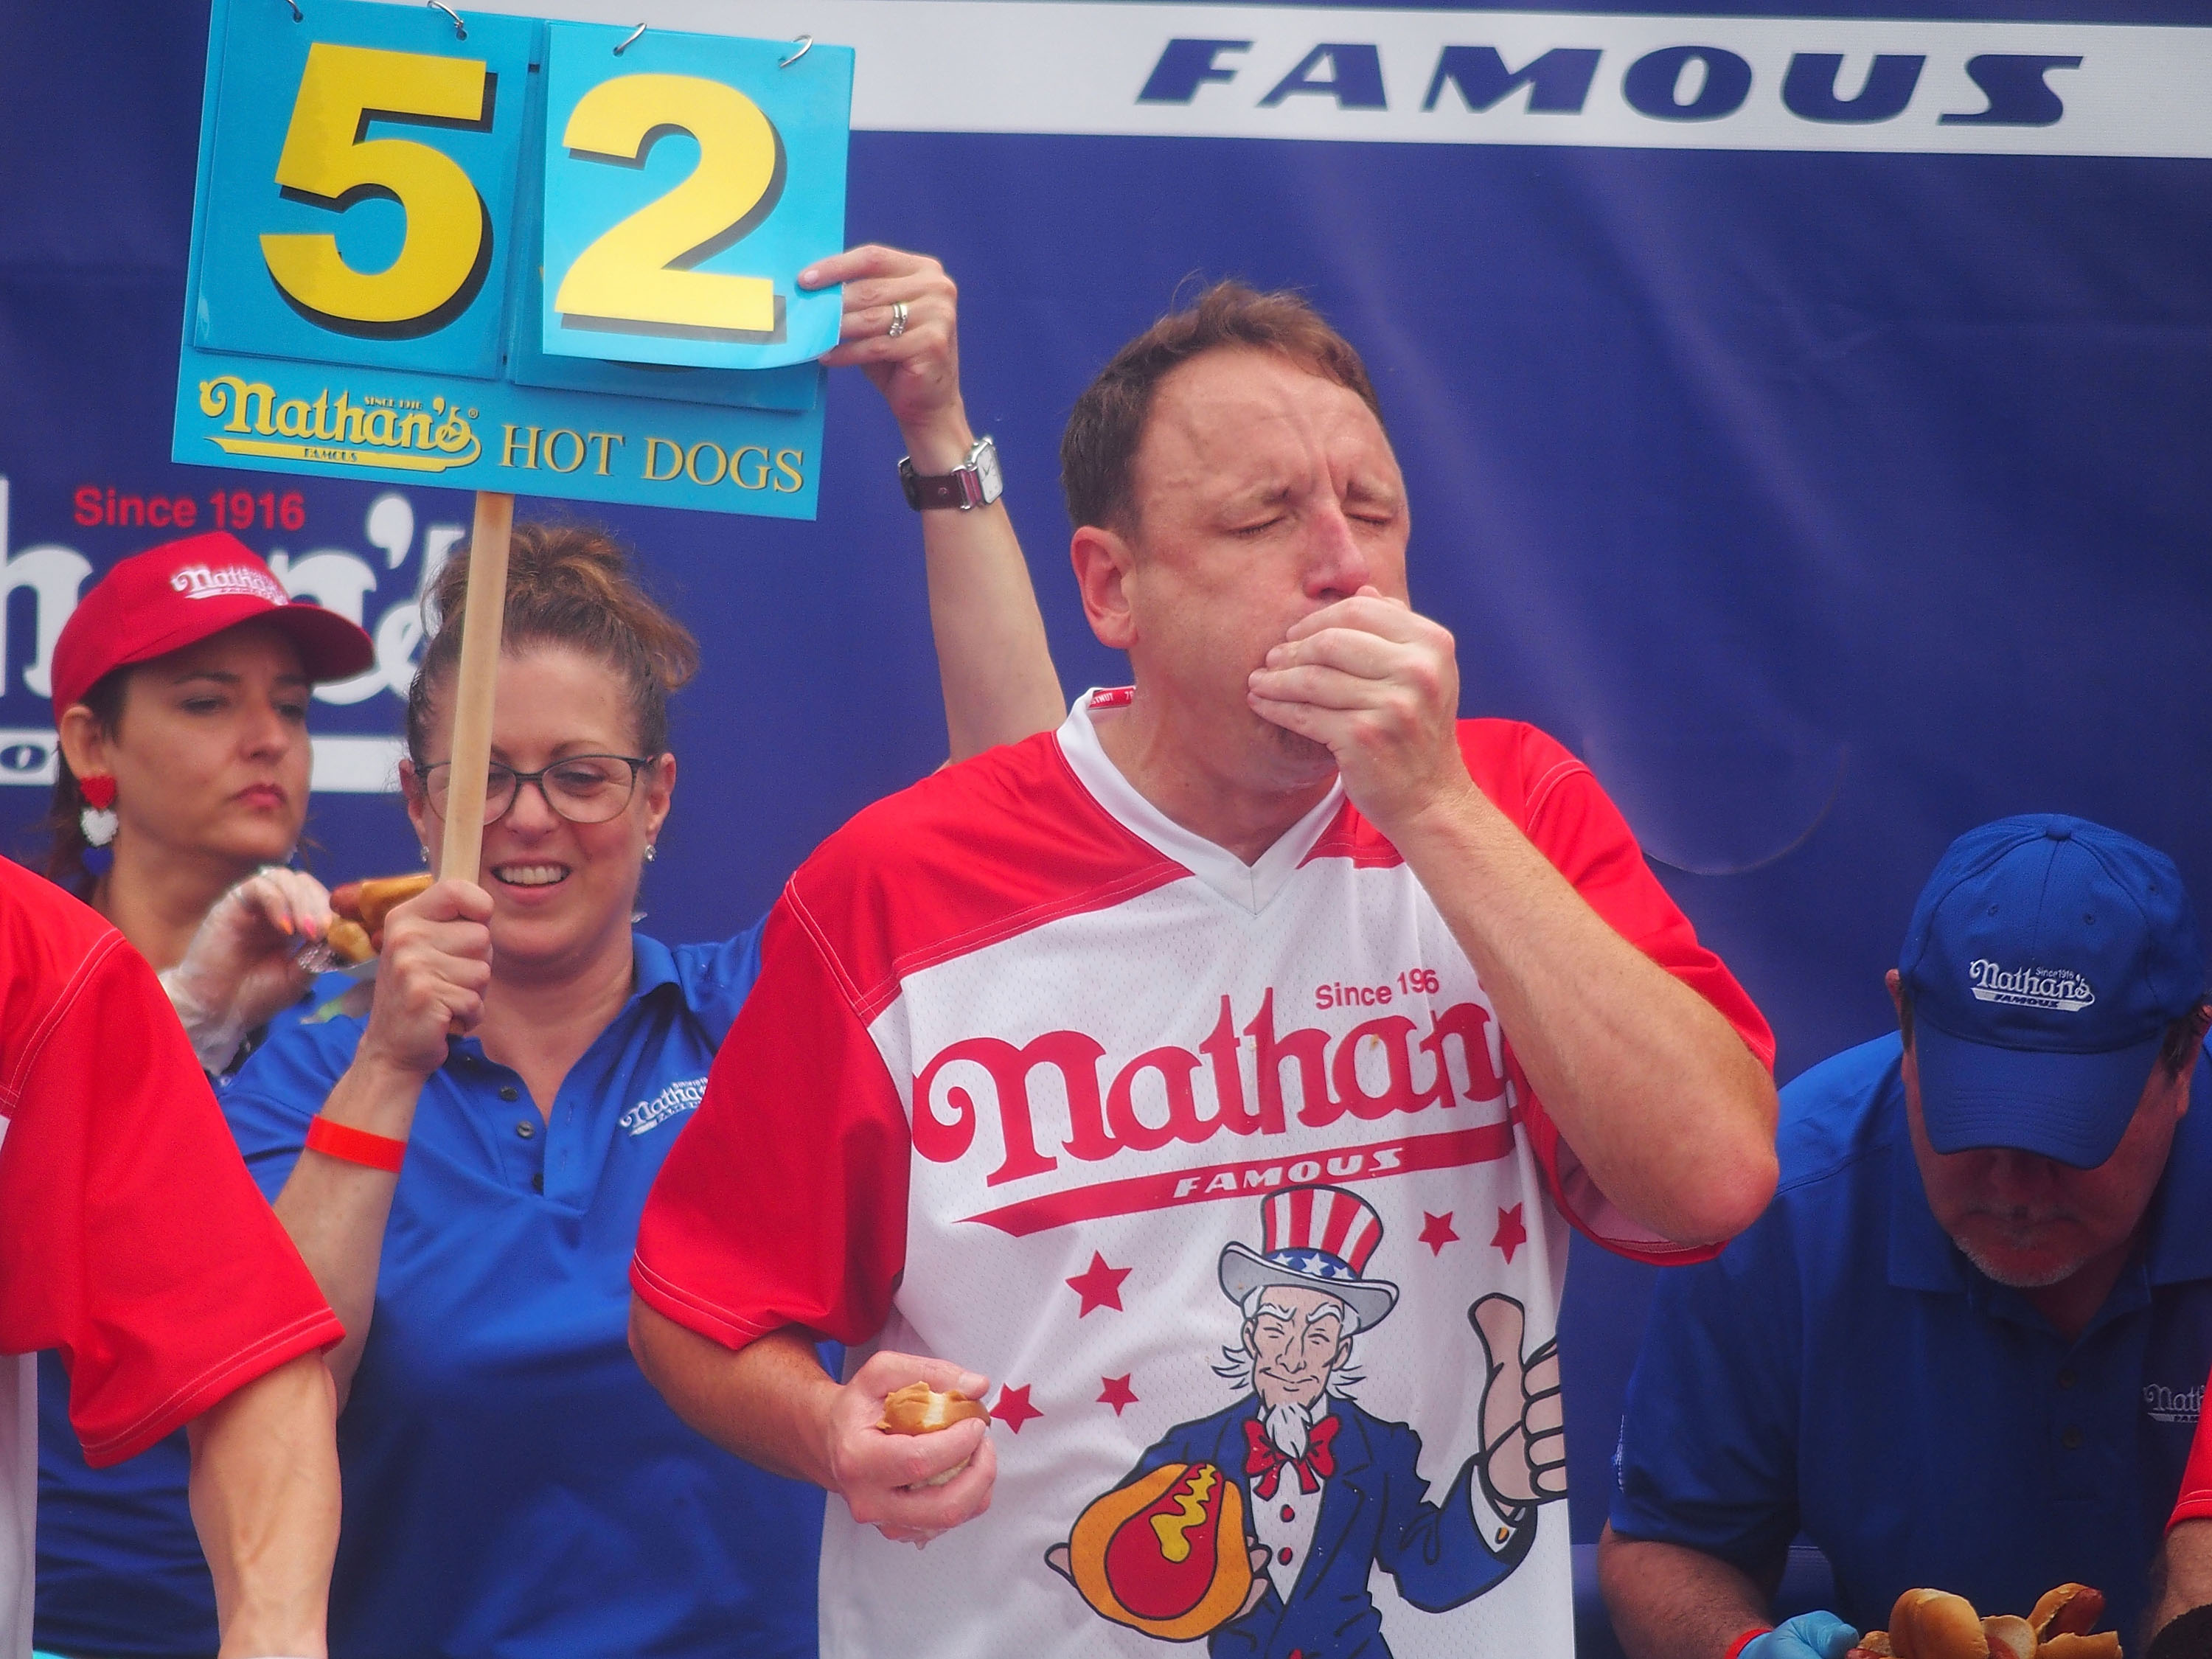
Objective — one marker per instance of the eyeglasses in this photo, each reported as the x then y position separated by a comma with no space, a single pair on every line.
581,788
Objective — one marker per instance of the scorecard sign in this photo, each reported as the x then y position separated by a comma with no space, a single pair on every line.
557,259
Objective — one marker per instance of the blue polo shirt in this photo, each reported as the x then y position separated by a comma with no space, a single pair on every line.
1842,1369
513,1486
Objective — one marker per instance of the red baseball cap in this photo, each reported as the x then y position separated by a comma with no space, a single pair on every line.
177,594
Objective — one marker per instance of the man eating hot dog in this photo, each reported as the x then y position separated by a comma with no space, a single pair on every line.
1271,927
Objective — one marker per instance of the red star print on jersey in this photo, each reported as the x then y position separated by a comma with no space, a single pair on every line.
1014,1409
1118,1393
1438,1232
1099,1286
1510,1235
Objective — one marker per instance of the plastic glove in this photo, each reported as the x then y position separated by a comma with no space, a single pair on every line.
1808,1636
239,969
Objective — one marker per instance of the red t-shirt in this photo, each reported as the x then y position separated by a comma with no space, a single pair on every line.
131,1237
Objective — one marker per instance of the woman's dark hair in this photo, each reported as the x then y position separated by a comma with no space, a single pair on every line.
567,584
65,820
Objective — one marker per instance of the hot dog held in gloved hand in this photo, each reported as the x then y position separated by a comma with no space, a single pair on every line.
245,961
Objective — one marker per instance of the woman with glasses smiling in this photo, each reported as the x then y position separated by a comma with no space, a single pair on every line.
513,1486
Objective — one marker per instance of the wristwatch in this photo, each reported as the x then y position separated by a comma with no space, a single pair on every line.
975,483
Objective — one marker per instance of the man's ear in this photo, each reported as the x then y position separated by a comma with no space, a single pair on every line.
1893,983
1105,568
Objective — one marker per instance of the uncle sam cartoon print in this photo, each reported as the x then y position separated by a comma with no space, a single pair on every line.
1259,1527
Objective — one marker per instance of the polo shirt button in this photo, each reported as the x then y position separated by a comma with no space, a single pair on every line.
1283,1555
537,1181
1289,1514
508,1091
2066,1379
525,1129
2071,1439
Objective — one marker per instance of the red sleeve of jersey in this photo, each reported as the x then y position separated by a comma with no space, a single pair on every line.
134,1242
783,1201
1560,805
2195,1502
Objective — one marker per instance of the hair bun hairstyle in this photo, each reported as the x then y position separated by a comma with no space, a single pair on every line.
567,585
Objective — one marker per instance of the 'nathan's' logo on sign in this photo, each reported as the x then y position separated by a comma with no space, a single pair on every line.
199,581
2032,988
388,433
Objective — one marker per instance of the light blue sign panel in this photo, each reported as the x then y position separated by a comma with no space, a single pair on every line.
356,202
363,299
528,362
688,181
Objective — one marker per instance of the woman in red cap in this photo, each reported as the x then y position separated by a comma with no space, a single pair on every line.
180,694
181,684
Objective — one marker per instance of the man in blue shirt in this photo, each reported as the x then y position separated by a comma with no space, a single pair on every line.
1965,1346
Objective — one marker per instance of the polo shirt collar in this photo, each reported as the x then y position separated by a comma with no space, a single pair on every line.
1921,1257
653,965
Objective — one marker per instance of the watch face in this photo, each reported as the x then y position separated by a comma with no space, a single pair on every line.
987,470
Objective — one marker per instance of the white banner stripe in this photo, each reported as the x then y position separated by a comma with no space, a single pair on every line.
1665,82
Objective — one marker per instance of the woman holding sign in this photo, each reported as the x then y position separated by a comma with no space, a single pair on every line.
513,1486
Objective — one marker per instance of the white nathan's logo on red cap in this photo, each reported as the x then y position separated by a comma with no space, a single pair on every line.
2032,988
200,582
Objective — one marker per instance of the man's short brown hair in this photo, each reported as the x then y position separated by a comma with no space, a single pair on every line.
1108,423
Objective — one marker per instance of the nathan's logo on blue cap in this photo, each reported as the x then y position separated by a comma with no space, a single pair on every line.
2045,961
2030,988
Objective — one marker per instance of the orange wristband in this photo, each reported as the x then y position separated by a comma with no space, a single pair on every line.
1736,1647
353,1146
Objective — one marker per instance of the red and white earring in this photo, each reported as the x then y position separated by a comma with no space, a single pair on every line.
98,819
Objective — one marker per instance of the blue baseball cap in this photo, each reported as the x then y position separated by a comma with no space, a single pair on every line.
2045,958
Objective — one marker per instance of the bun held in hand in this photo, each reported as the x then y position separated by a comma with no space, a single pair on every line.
918,1408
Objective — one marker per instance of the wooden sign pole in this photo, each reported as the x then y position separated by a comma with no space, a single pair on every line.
486,609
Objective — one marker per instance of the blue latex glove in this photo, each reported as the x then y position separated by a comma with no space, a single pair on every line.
1808,1636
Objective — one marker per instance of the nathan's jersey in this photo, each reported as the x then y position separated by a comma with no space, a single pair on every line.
1034,1080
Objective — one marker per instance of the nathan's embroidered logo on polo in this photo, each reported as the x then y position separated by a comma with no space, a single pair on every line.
199,581
2032,988
676,1098
2165,1405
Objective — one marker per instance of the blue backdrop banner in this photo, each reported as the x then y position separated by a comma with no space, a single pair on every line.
1805,420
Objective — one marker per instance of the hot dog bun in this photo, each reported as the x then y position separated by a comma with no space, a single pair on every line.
1932,1624
1928,1623
2069,1610
919,1409
351,940
370,903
